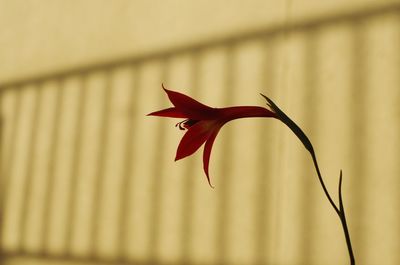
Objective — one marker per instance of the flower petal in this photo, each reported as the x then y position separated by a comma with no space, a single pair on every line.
170,112
193,139
192,108
207,152
238,112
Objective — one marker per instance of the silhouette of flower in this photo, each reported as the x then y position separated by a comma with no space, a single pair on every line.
203,123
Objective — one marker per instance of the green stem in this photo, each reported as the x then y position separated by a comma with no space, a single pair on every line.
321,180
344,223
339,211
307,144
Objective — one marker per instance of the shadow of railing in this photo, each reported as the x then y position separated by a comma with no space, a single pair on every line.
228,44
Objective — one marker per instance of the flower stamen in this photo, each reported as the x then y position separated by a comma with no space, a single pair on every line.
185,124
179,124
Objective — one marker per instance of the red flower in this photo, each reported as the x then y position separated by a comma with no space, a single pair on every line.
203,123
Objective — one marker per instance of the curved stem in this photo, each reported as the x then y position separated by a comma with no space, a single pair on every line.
321,180
344,223
339,211
307,144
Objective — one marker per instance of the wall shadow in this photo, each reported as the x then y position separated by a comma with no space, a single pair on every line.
125,192
307,197
7,166
188,178
156,175
76,161
359,109
229,43
28,176
49,190
264,161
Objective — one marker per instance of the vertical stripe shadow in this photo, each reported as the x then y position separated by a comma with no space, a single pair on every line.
101,165
226,162
264,161
307,199
8,165
129,156
358,131
156,188
2,177
27,181
49,178
397,112
76,160
188,178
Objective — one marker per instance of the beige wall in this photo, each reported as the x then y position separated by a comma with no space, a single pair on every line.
87,177
63,34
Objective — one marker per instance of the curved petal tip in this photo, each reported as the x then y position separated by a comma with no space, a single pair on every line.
163,87
207,153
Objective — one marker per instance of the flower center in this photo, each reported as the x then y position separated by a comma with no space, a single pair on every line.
185,124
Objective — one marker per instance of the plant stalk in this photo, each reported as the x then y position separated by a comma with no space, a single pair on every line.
307,144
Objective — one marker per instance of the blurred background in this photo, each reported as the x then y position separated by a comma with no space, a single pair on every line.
87,178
